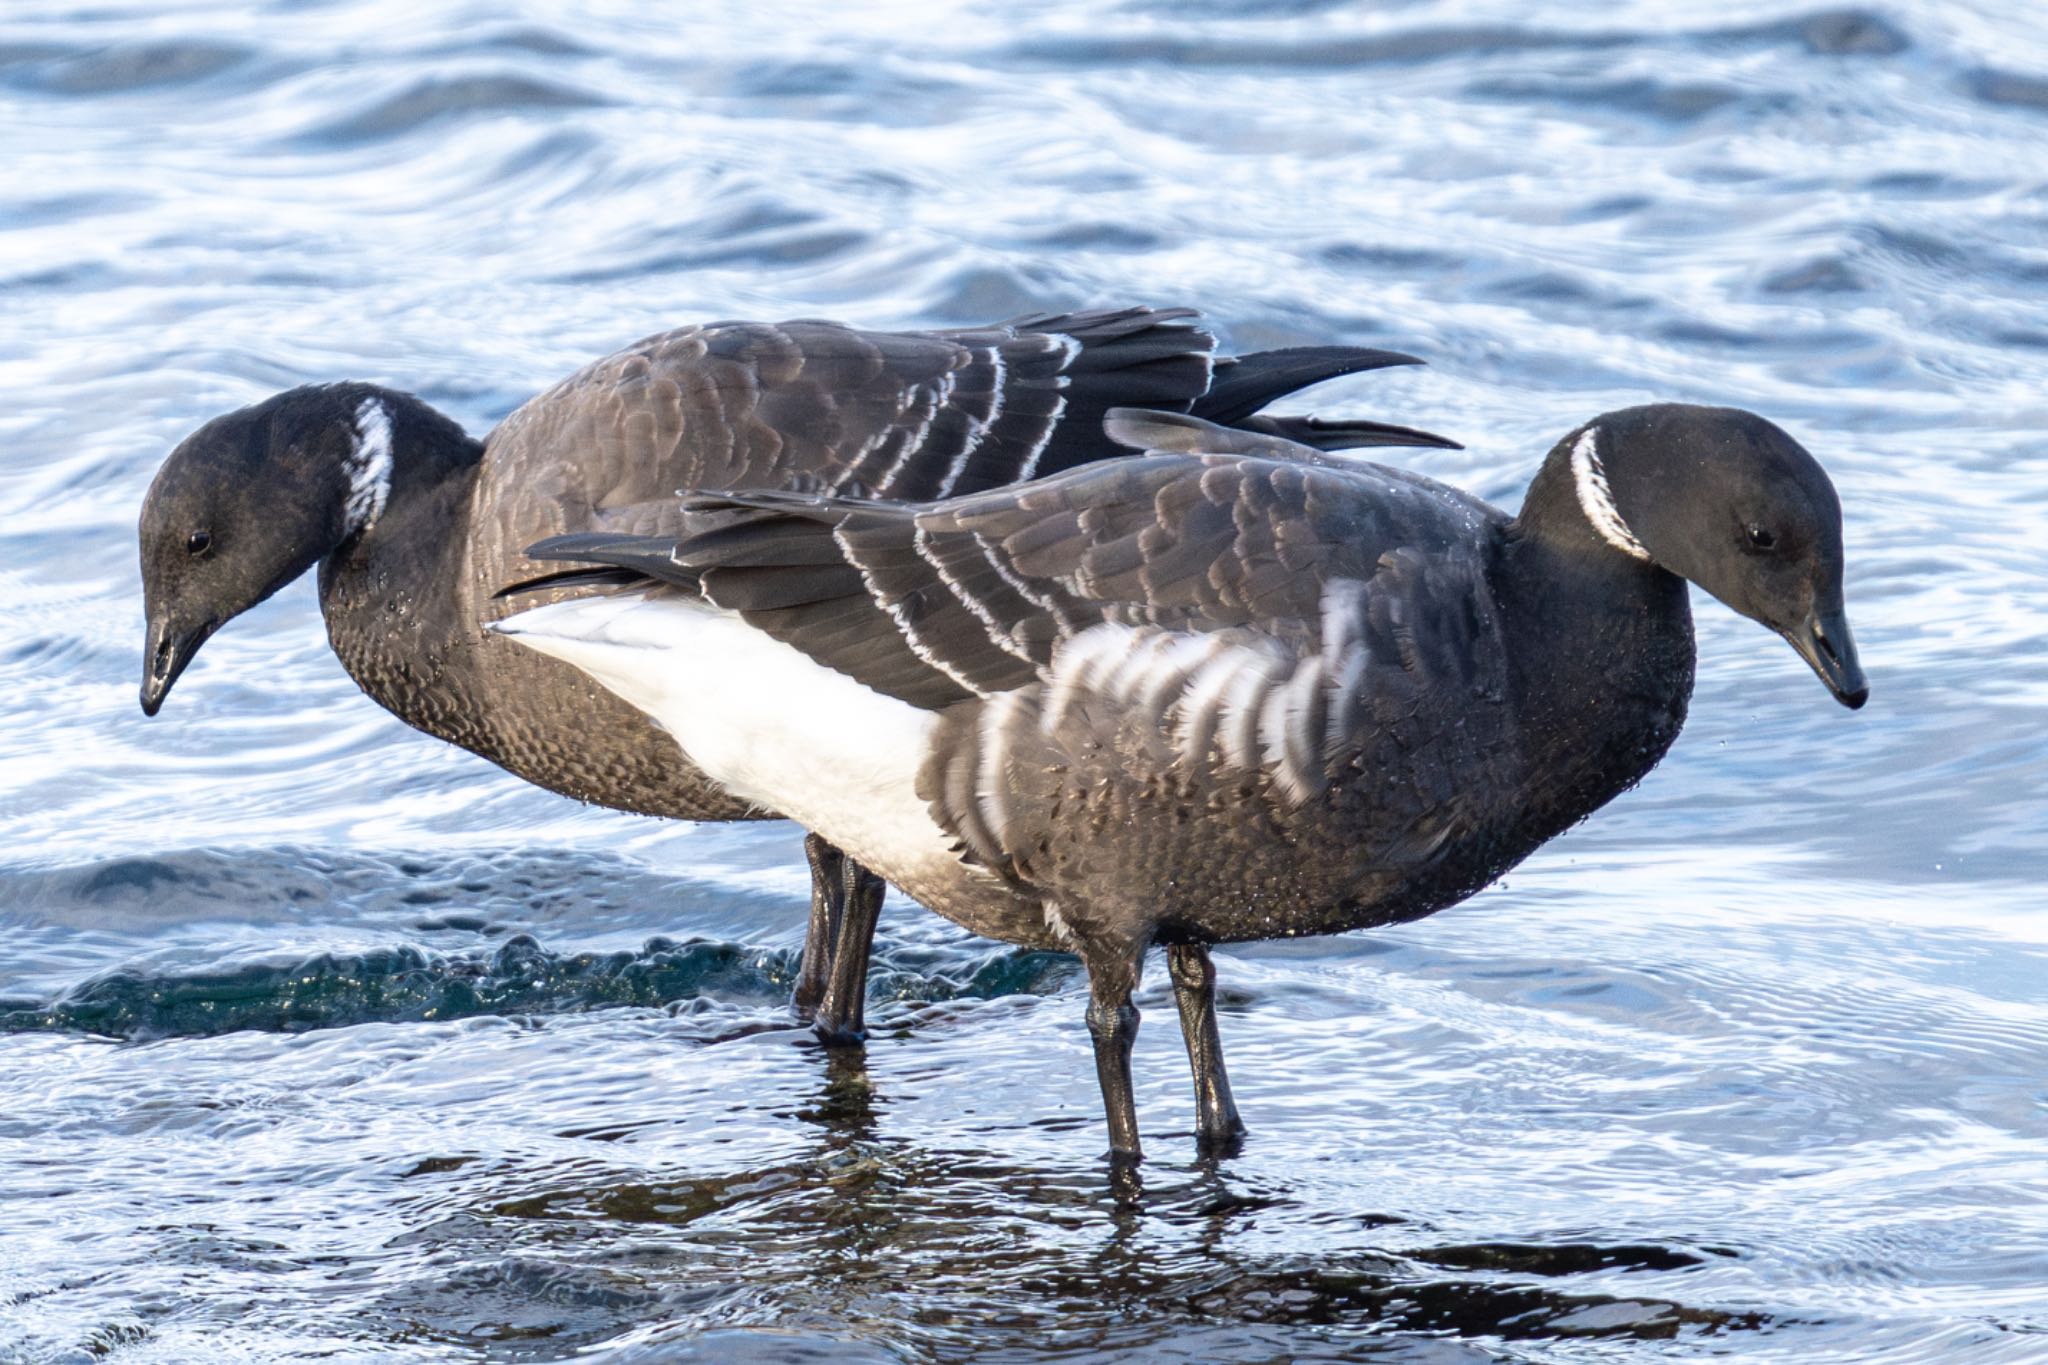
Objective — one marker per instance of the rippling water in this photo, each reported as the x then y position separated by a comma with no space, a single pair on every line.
324,1040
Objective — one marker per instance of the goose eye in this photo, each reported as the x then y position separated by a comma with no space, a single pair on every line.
199,542
1760,539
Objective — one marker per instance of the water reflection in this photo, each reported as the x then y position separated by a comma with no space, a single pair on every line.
861,1216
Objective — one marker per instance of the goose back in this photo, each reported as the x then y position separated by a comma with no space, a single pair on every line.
802,405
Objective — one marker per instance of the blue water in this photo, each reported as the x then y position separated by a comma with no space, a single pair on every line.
326,1041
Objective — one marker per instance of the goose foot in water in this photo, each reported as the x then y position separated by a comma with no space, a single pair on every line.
831,984
828,880
1113,1024
842,1013
1218,1129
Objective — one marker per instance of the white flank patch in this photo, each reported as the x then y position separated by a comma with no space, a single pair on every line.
1237,718
1292,752
992,778
1125,677
1345,659
1184,657
1077,665
1225,702
1346,675
368,466
760,718
1597,499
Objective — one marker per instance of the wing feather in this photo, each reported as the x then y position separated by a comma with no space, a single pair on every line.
818,405
1229,624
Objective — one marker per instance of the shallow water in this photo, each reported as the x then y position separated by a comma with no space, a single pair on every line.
325,1040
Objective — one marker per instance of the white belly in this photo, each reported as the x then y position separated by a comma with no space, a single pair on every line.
769,725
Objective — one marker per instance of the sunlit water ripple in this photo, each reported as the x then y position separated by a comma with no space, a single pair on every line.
324,1040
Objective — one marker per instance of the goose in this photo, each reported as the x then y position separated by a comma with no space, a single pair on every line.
1226,689
414,524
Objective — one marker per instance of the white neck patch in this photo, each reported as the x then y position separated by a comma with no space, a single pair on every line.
368,466
1596,499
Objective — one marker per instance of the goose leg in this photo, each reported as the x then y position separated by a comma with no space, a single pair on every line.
828,883
842,1014
1218,1129
1113,1022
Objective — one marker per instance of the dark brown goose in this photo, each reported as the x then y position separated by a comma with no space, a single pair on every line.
1191,698
415,525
